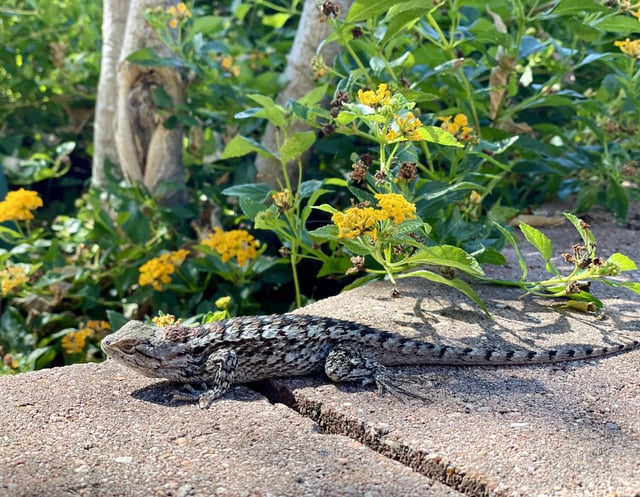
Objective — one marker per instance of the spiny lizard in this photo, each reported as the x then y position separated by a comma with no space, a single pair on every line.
216,355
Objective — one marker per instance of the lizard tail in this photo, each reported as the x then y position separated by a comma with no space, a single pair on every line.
415,352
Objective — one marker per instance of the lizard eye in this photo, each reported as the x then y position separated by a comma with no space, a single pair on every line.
128,346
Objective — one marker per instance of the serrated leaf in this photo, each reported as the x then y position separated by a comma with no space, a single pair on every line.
326,232
147,57
270,110
622,261
584,232
250,207
314,96
364,9
240,146
256,191
634,286
449,256
514,243
542,244
326,208
458,284
296,144
435,134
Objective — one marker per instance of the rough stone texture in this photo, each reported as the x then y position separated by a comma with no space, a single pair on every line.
97,430
568,429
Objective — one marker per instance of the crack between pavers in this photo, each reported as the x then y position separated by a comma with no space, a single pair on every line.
329,421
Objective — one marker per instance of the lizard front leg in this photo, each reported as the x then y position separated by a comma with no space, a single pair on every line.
219,373
344,363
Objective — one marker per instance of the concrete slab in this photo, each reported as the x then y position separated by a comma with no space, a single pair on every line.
97,430
568,429
561,430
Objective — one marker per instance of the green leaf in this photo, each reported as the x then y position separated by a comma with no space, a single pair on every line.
251,207
634,286
161,98
314,96
449,256
326,232
364,9
241,145
270,110
514,243
622,261
454,283
296,144
147,57
206,25
275,21
435,134
309,187
585,233
255,191
622,25
326,208
116,320
542,244
573,7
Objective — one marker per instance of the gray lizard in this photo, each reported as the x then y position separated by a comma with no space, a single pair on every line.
239,350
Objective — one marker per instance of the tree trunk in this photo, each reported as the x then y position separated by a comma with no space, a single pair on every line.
104,143
148,153
311,32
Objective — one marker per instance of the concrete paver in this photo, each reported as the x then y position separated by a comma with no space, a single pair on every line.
569,429
97,430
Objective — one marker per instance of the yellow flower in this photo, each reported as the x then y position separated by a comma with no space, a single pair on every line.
394,206
223,303
165,320
18,204
234,243
628,47
226,62
74,341
98,325
12,277
380,97
157,271
458,127
405,126
178,13
357,221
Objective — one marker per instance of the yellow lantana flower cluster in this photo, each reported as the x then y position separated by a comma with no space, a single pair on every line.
458,127
75,341
234,243
157,271
406,126
358,221
18,204
178,13
628,47
377,98
12,277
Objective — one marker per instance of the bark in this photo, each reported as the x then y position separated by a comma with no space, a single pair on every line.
104,144
148,153
299,74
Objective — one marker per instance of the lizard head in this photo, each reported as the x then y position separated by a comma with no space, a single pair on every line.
132,346
158,352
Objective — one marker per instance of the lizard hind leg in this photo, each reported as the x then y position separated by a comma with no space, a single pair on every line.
344,363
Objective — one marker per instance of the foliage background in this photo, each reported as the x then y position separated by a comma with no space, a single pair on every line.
550,99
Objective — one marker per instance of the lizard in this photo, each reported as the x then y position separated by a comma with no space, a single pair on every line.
238,350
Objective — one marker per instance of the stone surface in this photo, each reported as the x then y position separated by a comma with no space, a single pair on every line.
569,429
